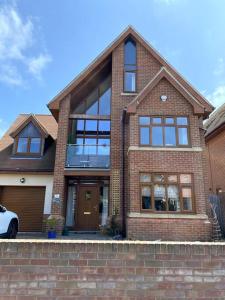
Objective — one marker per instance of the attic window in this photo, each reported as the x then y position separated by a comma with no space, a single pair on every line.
28,141
130,62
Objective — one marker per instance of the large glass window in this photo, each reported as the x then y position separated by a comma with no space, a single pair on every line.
166,192
29,140
92,137
98,102
130,68
164,131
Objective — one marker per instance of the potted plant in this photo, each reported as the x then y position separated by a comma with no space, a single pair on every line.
112,228
51,223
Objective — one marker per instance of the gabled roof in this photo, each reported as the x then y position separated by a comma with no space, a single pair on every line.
163,73
8,164
54,103
27,120
215,123
47,122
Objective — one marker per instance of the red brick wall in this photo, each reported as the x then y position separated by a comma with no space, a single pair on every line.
161,161
111,270
147,67
175,105
216,159
61,146
169,229
168,161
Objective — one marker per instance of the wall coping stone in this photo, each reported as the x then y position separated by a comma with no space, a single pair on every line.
192,149
109,242
167,216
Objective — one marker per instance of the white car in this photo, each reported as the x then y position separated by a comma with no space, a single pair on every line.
8,223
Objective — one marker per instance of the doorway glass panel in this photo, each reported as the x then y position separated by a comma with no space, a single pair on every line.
103,205
71,202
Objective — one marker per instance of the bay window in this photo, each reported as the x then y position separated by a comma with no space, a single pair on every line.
166,192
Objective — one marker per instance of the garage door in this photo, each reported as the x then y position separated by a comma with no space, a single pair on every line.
28,203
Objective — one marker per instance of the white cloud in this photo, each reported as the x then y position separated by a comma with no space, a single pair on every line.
18,38
217,97
9,75
220,67
37,64
16,35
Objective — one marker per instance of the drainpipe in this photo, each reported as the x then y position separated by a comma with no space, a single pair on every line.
123,175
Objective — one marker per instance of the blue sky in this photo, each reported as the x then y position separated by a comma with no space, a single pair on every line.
44,44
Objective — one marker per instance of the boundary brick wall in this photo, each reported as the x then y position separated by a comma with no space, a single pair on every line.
35,270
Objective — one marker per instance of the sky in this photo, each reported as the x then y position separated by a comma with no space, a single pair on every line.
44,44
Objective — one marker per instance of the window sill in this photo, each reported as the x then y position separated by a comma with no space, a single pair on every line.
129,94
26,157
167,216
144,148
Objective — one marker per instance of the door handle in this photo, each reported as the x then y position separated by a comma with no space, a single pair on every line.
87,212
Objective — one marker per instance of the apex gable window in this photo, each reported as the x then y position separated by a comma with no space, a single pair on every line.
164,131
166,192
28,141
98,102
130,65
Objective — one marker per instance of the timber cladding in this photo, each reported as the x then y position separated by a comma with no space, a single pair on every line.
60,270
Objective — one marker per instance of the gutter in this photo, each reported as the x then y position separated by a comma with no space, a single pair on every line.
123,174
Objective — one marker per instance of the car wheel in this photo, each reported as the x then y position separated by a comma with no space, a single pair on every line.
12,230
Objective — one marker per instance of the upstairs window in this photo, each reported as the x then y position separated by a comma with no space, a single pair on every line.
91,136
164,131
130,62
29,140
98,102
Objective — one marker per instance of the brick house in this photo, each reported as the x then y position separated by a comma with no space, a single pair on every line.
215,137
130,144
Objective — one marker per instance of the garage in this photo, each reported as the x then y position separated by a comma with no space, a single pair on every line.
28,203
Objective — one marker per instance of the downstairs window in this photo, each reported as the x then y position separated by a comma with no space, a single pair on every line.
166,192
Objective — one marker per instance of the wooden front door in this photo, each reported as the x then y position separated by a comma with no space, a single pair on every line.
87,210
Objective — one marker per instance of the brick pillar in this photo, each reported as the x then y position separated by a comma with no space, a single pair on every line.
59,178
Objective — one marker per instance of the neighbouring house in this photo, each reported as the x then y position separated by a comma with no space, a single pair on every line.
215,143
130,147
27,156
